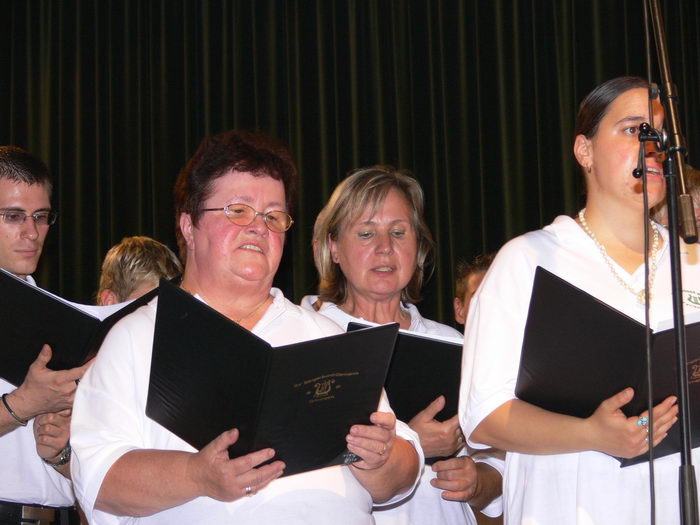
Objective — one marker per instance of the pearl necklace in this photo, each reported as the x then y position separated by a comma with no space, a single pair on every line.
640,295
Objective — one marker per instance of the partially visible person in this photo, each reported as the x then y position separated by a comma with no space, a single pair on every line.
134,267
559,468
232,203
469,277
372,249
660,211
34,458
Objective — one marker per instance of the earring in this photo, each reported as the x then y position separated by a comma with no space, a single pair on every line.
589,168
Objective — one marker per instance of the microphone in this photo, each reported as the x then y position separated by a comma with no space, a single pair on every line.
643,137
646,134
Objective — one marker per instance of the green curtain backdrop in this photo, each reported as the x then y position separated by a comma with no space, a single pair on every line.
477,98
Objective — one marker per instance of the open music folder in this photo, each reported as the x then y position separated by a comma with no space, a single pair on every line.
208,375
31,317
423,368
577,351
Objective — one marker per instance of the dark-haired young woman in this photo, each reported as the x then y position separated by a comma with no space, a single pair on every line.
560,469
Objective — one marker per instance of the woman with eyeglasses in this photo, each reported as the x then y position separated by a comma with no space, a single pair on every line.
232,204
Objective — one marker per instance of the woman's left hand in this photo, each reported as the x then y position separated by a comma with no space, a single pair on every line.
437,438
373,443
463,480
457,477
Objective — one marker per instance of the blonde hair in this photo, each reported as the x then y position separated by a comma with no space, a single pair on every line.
363,188
136,260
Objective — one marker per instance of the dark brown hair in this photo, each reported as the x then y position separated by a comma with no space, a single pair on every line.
595,106
230,151
480,263
19,165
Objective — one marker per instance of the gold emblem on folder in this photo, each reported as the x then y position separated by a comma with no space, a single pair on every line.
694,371
324,388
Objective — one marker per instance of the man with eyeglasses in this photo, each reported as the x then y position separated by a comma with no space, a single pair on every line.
34,459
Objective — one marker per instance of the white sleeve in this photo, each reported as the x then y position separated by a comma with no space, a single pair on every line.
405,432
109,411
493,337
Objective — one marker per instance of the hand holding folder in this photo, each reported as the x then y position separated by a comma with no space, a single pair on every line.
439,439
423,388
210,375
423,368
227,480
578,351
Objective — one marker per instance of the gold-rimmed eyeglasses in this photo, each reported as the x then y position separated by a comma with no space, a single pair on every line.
241,214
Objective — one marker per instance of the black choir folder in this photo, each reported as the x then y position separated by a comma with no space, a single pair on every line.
423,367
208,375
31,317
578,351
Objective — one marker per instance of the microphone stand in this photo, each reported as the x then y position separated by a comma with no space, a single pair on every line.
674,148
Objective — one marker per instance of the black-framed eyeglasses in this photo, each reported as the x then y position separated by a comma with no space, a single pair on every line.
241,214
41,218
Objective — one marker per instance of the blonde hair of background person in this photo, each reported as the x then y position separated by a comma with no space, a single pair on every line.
660,212
350,198
133,267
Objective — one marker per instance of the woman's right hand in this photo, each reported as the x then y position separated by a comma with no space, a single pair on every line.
612,432
438,439
225,479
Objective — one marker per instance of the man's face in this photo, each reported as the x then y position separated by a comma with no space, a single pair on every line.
21,244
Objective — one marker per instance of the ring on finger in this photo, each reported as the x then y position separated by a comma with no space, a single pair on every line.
383,451
644,423
249,491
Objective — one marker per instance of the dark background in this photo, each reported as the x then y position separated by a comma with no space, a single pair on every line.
477,98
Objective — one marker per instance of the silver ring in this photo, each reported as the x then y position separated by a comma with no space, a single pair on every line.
644,423
249,491
383,450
